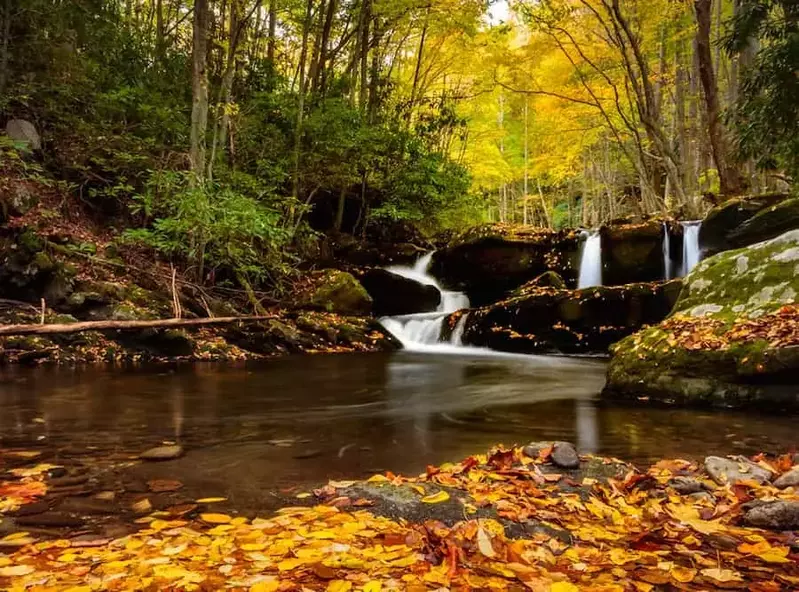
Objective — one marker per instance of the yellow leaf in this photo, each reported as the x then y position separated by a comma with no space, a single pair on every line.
436,498
775,555
377,479
339,586
322,534
722,575
211,500
215,518
253,546
484,543
289,564
267,586
15,570
303,495
373,586
564,587
418,489
684,575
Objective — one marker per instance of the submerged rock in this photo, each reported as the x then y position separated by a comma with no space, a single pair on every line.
731,339
393,294
570,321
725,470
162,453
778,515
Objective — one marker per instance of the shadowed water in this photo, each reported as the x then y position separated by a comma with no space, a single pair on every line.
301,420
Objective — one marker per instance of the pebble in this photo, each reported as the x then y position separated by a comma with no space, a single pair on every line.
162,453
725,470
779,515
789,479
565,456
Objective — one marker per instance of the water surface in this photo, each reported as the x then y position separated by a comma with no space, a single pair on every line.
300,420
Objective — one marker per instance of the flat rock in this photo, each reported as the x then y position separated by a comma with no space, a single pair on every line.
162,453
789,479
534,448
565,456
725,470
779,515
686,485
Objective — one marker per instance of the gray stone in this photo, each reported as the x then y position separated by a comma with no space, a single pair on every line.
565,456
789,479
701,496
162,453
24,132
774,516
725,470
686,485
534,448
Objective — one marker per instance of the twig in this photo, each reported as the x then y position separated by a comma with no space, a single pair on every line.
59,328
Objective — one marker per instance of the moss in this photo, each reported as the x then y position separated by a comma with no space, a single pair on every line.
338,291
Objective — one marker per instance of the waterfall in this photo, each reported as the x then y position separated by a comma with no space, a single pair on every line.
423,331
668,266
691,253
591,260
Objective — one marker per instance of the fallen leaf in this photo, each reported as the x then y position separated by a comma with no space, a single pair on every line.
436,498
215,518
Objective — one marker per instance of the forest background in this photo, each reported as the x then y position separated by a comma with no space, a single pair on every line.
227,134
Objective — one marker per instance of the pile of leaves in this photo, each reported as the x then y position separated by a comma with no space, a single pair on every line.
631,533
779,329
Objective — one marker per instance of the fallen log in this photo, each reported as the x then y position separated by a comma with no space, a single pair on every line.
62,328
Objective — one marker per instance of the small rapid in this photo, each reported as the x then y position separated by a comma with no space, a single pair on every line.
668,266
424,332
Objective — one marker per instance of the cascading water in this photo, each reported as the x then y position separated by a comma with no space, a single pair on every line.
691,253
668,265
591,260
423,331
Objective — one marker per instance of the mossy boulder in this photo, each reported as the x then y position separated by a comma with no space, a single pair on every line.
570,321
338,291
548,279
393,294
732,340
725,219
767,223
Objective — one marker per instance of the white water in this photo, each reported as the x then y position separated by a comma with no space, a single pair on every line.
423,331
668,266
691,253
591,260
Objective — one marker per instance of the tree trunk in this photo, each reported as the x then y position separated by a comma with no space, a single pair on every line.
199,108
526,171
4,45
342,200
66,328
366,7
419,55
321,86
374,75
729,178
270,42
295,182
160,33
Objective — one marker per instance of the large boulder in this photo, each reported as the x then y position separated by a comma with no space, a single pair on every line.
337,291
488,262
732,340
570,321
393,294
24,133
725,219
632,253
767,223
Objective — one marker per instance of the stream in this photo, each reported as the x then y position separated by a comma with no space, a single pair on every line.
301,420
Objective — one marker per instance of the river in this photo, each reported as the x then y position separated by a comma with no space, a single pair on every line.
297,421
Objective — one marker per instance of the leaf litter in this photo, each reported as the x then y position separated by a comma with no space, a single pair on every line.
632,533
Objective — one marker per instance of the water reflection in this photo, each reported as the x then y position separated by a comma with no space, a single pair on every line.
304,419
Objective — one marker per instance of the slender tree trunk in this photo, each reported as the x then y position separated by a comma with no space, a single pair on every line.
342,201
160,33
321,87
366,7
526,161
419,56
4,54
271,38
729,179
374,74
295,183
199,108
313,70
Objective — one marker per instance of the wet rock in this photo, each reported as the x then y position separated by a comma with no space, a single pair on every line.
632,253
565,456
162,453
534,448
767,224
393,294
31,509
686,485
87,506
723,220
548,279
51,520
725,470
789,479
780,515
570,321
